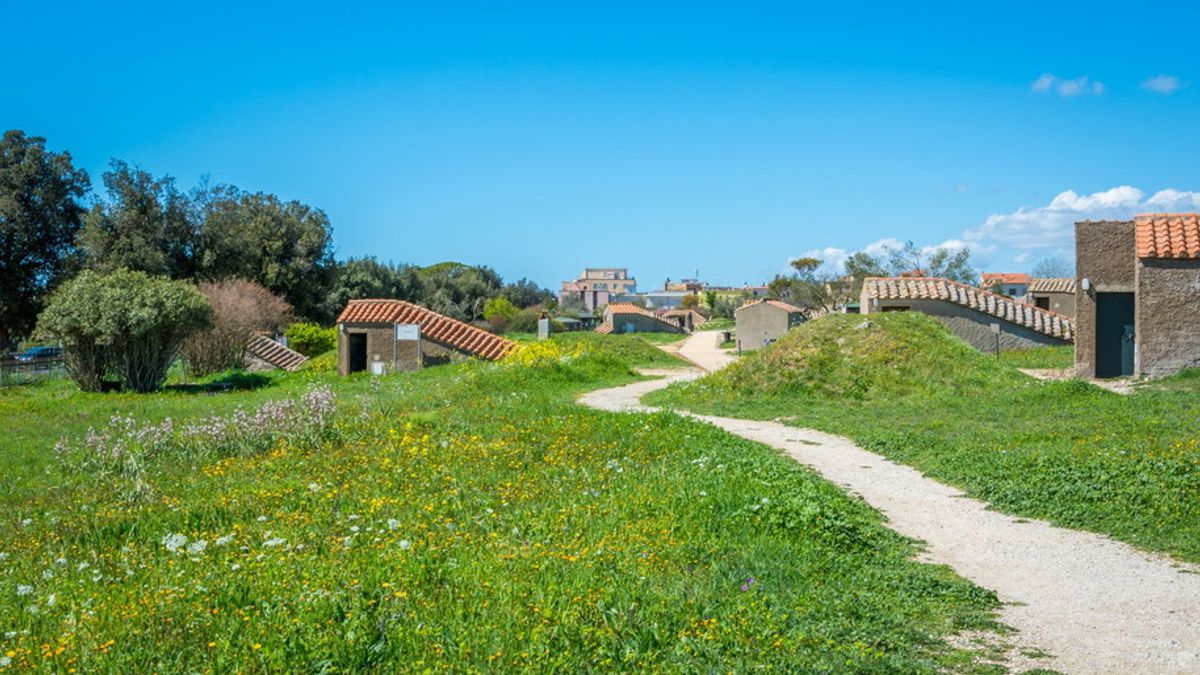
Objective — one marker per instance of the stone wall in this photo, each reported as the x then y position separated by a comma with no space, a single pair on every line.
1167,316
973,327
1104,254
381,346
643,324
759,323
1059,303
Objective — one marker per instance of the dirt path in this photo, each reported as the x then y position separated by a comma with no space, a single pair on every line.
1095,605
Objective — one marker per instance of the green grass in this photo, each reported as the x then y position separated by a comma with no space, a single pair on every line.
465,518
718,323
1056,358
1067,451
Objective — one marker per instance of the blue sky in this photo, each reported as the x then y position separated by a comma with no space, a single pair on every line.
664,137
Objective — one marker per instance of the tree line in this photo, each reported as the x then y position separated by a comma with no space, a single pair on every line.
53,226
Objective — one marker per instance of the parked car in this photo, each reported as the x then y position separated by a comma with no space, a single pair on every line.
40,353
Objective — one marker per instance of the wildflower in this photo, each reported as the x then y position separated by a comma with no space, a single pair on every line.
197,547
392,524
271,543
750,581
3,556
314,487
82,566
404,544
27,522
50,601
24,590
5,661
223,540
261,519
174,541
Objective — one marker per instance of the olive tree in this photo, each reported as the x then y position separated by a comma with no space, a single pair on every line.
127,325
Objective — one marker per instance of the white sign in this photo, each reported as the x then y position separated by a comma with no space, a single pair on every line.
408,331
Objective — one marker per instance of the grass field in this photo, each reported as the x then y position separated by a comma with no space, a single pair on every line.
1041,357
1066,451
465,518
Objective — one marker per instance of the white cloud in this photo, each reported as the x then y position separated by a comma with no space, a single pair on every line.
1162,84
835,258
1050,230
1051,83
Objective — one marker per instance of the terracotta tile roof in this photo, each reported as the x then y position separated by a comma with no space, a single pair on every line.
778,304
266,349
1168,235
437,327
991,278
1055,285
1002,307
616,308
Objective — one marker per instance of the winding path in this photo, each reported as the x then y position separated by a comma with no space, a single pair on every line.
1094,604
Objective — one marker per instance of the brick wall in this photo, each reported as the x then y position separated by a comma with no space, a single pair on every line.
1104,253
1167,316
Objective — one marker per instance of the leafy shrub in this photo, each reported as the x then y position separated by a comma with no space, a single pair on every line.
310,339
322,363
241,309
124,324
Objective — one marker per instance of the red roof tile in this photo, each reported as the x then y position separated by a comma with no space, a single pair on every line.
437,327
1002,307
778,304
992,278
1056,285
1168,235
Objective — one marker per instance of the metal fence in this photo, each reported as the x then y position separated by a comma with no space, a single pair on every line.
13,371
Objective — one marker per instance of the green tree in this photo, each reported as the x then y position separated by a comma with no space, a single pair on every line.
40,217
285,246
525,293
146,225
458,290
125,324
710,299
359,278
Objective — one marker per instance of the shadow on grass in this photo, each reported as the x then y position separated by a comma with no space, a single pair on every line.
234,381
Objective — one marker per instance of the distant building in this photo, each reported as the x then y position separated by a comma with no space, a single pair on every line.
1012,284
760,323
1056,295
984,319
627,318
1138,297
660,299
383,336
598,286
687,319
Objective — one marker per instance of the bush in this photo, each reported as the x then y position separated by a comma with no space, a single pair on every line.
310,339
241,309
127,325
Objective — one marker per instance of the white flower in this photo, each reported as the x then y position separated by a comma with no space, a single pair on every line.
60,561
261,519
197,547
3,556
51,600
270,543
81,567
24,590
404,544
235,567
174,541
27,522
393,523
314,487
223,540
5,662
354,528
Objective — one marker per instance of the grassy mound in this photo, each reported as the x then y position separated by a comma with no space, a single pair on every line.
858,357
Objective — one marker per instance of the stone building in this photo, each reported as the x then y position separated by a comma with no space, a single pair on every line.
598,286
1012,284
1056,295
626,318
760,323
984,319
383,336
1138,296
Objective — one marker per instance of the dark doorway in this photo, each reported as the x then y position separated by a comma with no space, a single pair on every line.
1114,334
357,345
1041,303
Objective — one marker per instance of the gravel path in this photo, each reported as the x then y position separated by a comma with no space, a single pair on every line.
1094,604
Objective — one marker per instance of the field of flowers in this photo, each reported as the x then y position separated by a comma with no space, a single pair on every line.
1067,451
466,518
